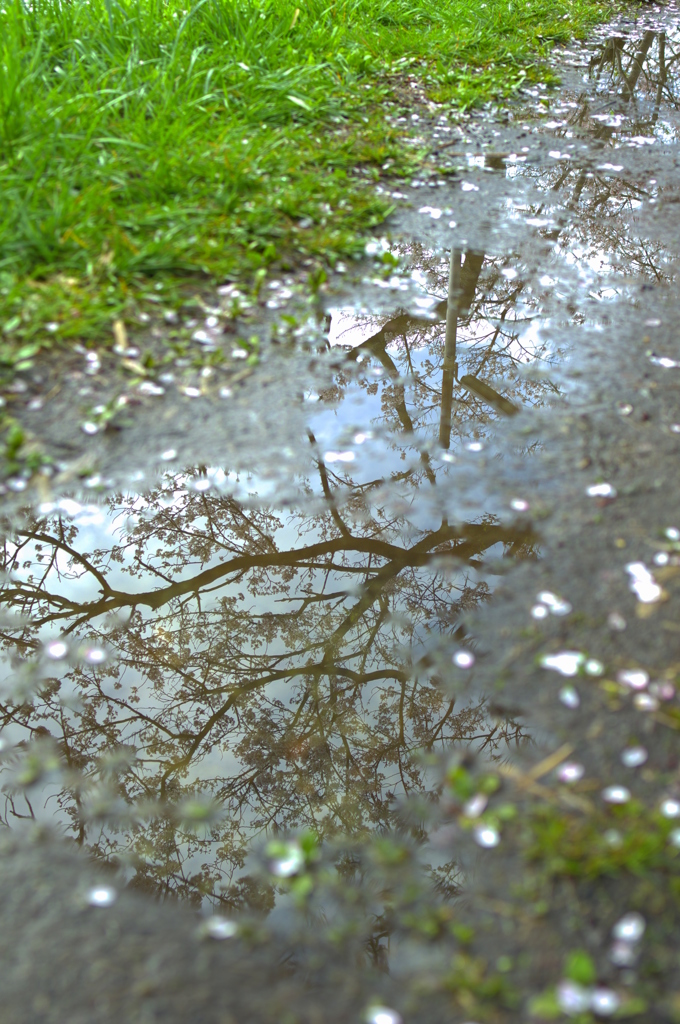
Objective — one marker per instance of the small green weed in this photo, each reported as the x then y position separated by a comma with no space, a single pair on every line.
629,838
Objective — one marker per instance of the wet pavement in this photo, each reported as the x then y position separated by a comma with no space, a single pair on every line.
411,572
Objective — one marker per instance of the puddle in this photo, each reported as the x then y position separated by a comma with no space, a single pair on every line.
183,651
198,667
231,654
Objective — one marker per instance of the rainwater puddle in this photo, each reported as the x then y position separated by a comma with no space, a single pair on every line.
185,673
191,670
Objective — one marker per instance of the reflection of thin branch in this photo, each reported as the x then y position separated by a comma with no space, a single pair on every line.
332,508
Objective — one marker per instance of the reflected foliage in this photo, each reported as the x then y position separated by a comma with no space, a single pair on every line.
189,674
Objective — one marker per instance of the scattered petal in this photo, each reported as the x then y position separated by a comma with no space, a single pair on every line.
570,772
567,663
572,998
616,795
219,928
56,649
601,491
623,954
288,861
635,679
486,836
633,757
569,697
94,655
629,928
643,584
101,896
604,1002
554,603
664,691
645,702
338,457
148,387
382,1015
475,806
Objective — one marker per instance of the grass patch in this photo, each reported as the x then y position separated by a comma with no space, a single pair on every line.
145,142
630,839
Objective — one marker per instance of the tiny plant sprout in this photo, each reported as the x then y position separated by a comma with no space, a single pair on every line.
219,928
101,896
629,928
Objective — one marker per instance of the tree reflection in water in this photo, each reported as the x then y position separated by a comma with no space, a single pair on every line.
629,104
227,670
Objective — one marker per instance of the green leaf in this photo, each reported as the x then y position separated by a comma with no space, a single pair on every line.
579,967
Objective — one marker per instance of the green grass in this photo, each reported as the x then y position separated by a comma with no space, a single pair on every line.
144,144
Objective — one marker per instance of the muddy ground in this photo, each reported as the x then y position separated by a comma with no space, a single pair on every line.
572,199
